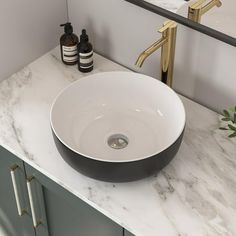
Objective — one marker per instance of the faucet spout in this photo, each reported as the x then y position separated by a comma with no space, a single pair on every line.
210,5
147,52
196,10
167,45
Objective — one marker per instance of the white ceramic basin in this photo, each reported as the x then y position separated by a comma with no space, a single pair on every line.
106,123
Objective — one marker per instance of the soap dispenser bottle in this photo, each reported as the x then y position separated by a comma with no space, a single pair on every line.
85,53
69,44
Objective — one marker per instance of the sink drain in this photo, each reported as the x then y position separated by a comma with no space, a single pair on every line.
118,141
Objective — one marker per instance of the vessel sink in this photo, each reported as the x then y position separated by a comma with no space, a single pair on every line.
117,126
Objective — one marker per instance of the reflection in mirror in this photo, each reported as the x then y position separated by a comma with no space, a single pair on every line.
218,15
221,18
169,5
196,10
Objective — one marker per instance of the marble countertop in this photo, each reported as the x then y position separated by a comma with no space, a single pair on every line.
194,195
170,5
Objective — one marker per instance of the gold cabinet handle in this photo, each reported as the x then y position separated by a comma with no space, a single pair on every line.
36,222
20,210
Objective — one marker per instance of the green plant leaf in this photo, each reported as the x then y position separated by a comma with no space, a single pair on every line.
232,135
230,117
226,113
223,128
226,119
232,127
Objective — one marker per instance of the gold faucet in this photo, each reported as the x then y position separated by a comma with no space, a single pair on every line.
167,44
196,10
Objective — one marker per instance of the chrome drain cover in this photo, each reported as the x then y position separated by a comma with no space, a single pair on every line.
118,141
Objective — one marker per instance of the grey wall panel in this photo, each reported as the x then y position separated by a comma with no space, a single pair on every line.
28,30
120,31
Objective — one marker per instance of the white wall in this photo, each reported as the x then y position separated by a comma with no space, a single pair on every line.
28,30
204,68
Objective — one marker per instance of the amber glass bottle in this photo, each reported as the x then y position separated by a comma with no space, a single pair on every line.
85,53
68,43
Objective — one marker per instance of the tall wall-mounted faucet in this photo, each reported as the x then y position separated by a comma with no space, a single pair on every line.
196,10
167,43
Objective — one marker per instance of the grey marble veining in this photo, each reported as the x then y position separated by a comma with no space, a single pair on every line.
195,195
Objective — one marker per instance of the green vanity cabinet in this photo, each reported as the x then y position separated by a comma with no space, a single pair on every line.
126,233
67,214
31,204
15,216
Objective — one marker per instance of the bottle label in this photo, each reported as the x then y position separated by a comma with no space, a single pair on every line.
70,53
86,60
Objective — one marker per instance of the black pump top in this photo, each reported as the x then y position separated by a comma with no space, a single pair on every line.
67,28
84,37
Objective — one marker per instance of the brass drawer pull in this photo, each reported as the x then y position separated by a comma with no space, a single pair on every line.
16,191
36,222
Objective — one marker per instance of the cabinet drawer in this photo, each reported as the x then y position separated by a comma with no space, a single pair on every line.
68,215
15,214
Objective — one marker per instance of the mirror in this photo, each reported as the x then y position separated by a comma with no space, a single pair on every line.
217,18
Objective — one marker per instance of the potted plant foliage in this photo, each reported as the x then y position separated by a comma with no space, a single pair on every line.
229,121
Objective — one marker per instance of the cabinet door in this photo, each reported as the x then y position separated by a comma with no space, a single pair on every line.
68,215
127,233
15,219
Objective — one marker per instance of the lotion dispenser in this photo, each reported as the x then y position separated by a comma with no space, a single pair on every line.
68,43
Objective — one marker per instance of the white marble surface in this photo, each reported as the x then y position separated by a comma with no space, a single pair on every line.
195,195
170,5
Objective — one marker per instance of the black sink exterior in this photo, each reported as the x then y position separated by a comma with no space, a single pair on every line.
121,171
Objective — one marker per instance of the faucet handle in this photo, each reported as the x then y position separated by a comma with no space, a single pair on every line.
167,25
